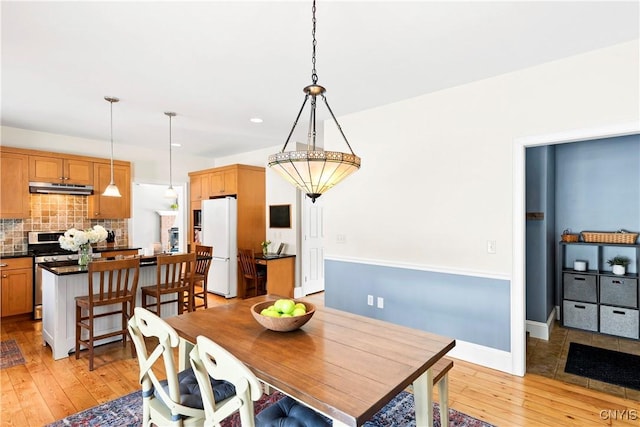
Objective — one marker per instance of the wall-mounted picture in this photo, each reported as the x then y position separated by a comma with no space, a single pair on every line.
279,216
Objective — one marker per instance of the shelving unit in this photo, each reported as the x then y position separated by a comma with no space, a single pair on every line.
596,299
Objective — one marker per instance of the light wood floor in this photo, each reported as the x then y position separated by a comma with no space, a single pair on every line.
42,390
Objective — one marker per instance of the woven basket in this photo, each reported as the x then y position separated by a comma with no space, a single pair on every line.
609,237
571,238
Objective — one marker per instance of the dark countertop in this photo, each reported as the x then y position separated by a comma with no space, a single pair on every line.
64,268
24,254
95,249
114,248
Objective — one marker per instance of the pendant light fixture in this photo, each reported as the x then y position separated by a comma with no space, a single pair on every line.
170,193
314,171
112,189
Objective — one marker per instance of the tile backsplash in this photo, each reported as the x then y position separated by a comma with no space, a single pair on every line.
55,212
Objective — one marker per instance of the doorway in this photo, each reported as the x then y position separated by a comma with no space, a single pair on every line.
518,299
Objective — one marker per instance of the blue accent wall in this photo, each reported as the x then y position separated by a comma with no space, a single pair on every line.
471,309
540,238
598,189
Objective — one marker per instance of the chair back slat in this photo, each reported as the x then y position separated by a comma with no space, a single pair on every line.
114,280
203,265
170,269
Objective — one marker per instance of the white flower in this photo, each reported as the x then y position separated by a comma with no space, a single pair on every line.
73,239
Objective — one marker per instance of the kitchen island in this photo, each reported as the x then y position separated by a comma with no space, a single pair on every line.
61,283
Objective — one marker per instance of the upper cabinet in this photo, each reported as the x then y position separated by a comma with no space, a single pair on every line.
63,170
18,166
224,183
103,207
14,185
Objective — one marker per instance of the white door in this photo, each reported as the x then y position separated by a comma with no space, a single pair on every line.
312,247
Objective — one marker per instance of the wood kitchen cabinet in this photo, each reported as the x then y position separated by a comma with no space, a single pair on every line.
14,185
199,187
224,183
60,170
16,289
245,182
102,207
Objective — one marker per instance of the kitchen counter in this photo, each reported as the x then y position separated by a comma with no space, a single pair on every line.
17,255
63,268
62,281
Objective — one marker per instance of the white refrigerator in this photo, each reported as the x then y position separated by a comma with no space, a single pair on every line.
219,229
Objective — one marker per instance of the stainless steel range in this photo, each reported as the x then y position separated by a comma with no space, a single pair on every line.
45,248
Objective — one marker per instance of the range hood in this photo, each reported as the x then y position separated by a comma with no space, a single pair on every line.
53,188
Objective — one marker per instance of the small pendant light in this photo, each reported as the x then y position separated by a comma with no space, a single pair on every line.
112,189
171,192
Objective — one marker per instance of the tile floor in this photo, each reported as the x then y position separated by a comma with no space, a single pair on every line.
547,358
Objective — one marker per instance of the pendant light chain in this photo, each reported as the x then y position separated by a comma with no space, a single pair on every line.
314,74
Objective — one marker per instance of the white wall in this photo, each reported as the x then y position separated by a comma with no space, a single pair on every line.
436,176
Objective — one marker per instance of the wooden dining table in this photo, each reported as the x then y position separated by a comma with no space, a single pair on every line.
343,365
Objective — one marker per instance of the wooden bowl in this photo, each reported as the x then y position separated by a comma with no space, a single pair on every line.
281,324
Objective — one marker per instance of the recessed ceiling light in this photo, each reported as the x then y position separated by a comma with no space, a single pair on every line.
255,120
176,144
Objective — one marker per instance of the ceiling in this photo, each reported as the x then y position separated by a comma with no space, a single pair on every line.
217,64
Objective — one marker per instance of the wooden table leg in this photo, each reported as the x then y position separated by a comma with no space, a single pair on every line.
423,397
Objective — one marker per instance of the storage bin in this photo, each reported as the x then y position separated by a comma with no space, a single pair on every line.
580,287
622,322
580,315
619,291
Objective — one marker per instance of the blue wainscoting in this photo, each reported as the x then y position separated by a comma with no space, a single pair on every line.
467,308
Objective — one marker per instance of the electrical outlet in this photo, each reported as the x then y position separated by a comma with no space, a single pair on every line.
369,299
380,302
341,238
491,246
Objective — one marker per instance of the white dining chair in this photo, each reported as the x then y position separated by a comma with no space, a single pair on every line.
208,359
177,400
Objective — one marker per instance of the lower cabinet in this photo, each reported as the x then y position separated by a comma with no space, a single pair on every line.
16,291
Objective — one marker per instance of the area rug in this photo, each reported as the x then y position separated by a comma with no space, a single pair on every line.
600,364
127,411
10,354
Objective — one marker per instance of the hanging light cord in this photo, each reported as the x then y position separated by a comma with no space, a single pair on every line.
111,124
170,161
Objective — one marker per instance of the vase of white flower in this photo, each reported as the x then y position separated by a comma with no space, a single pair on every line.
78,240
85,254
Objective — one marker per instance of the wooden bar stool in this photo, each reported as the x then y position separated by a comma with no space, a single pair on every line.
201,276
172,277
110,283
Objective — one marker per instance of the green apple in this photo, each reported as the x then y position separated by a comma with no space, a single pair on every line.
285,305
272,313
301,305
299,312
286,315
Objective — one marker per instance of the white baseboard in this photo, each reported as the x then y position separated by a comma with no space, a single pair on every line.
484,356
542,330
